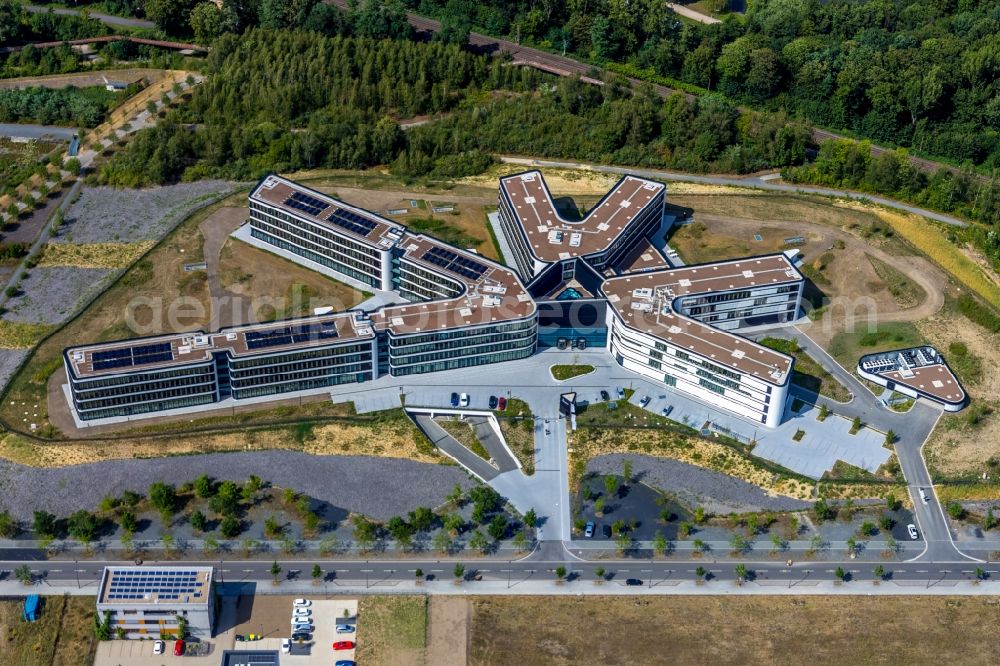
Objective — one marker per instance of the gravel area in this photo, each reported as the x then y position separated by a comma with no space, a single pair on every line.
9,360
107,214
378,487
694,486
51,294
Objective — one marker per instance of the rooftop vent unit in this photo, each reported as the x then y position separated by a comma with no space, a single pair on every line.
270,182
201,341
642,307
574,239
231,337
642,292
491,301
555,237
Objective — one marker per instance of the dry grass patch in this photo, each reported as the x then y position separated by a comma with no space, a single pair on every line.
391,436
768,630
932,241
465,434
392,629
20,335
587,443
93,255
62,636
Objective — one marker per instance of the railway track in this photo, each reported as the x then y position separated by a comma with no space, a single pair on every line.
563,66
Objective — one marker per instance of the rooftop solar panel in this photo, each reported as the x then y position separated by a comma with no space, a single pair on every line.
306,203
455,263
351,221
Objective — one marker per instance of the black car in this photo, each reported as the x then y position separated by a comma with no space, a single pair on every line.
493,402
454,400
301,636
633,581
606,531
605,396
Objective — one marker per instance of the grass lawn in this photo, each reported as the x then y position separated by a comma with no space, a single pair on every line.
769,630
62,636
809,374
391,629
466,436
564,372
518,427
847,347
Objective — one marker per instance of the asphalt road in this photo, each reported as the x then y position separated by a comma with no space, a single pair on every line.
107,19
25,131
535,567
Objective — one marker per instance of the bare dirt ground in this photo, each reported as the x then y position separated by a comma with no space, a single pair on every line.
83,79
449,625
848,277
731,630
248,284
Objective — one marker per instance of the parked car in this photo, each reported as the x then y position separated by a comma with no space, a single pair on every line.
454,400
301,612
343,662
633,581
463,400
286,645
343,645
302,627
158,647
178,648
606,531
502,404
605,396
666,410
345,628
493,402
912,529
302,603
621,393
303,636
923,496
588,531
644,401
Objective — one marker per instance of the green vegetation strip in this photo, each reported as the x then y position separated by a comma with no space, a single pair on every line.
809,374
564,372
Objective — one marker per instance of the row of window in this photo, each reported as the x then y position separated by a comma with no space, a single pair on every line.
525,341
290,243
345,354
521,325
117,410
88,393
301,385
96,401
318,230
463,362
141,377
401,351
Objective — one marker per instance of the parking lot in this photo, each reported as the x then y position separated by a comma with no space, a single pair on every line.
266,616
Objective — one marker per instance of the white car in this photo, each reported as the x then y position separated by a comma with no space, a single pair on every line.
158,647
302,603
923,495
912,529
301,612
645,401
286,645
463,400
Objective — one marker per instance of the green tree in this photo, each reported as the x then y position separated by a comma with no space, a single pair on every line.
128,521
890,438
879,572
83,526
381,19
203,486
700,572
24,575
456,495
273,529
209,20
741,572
627,471
624,543
441,542
610,485
738,544
12,17
9,526
840,574
520,542
163,497
171,16
317,574
421,519
699,515
956,510
530,518
454,523
989,522
660,543
560,573
459,570
365,532
599,574
211,545
498,527
230,527
198,521
599,506
478,541
44,524
275,571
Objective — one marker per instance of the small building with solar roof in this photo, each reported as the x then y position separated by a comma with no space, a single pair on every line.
147,601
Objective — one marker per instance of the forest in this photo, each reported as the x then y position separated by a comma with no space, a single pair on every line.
79,107
283,100
923,74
